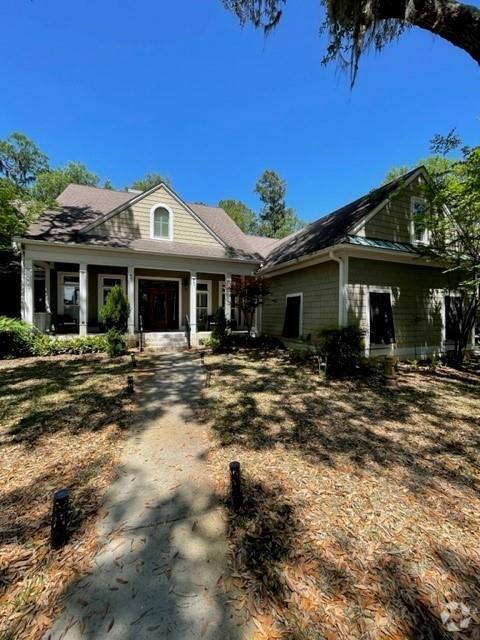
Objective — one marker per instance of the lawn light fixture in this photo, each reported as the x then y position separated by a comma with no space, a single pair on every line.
59,529
236,485
208,376
134,362
130,387
202,357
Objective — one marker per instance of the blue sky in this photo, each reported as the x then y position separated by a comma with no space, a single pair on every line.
130,86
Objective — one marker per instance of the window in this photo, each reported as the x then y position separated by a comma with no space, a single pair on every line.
69,294
161,223
292,325
453,313
418,231
105,285
203,304
381,319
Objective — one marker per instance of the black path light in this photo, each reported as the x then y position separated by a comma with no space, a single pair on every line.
236,485
202,357
130,386
134,362
58,534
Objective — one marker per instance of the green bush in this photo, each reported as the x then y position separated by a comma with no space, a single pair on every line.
212,343
343,348
45,345
115,341
16,338
116,310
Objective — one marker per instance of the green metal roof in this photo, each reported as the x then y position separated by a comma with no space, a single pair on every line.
377,243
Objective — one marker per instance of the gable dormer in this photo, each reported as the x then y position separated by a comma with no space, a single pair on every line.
158,214
397,219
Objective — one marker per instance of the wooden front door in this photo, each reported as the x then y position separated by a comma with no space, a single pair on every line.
159,305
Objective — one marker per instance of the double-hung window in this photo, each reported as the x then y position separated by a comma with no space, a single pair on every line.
203,304
418,229
161,223
69,295
382,331
292,324
105,285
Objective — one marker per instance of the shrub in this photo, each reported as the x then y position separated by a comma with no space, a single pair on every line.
344,349
16,338
44,345
116,310
116,345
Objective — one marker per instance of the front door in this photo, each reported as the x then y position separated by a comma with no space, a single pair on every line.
159,305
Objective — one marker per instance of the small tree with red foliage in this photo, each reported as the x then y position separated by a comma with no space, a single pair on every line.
250,293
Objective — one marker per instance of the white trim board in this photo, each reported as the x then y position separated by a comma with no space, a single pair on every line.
300,319
100,287
171,221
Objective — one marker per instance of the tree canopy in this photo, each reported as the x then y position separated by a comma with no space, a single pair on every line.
354,26
276,220
242,215
28,184
50,184
453,220
148,181
21,160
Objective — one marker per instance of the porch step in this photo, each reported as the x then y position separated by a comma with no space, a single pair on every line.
165,340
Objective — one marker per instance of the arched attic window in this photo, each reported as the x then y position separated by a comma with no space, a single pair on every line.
161,222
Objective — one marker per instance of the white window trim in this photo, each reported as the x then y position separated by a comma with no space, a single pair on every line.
451,294
100,286
426,234
161,205
60,282
209,294
368,344
300,320
221,292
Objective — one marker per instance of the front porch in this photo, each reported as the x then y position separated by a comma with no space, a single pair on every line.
66,298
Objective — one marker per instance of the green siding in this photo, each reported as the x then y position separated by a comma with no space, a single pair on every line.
393,221
319,285
417,299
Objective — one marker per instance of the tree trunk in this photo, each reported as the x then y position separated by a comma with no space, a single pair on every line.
454,21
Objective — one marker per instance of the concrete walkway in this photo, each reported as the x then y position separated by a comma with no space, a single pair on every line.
164,546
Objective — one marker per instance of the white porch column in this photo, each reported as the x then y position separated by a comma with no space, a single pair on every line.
27,289
83,295
193,307
131,299
228,297
48,308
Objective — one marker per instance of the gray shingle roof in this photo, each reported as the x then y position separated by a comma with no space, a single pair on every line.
80,205
333,228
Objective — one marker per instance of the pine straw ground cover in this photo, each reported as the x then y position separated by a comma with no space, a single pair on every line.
62,423
362,505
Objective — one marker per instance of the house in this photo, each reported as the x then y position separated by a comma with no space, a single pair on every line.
361,264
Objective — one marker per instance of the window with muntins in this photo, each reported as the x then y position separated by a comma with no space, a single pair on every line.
419,231
161,223
292,322
382,331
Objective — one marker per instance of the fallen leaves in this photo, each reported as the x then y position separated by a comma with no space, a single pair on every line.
63,423
362,506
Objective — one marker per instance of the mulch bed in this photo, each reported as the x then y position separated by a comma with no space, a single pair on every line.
362,507
63,423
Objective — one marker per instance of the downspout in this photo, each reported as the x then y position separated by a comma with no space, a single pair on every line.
342,285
